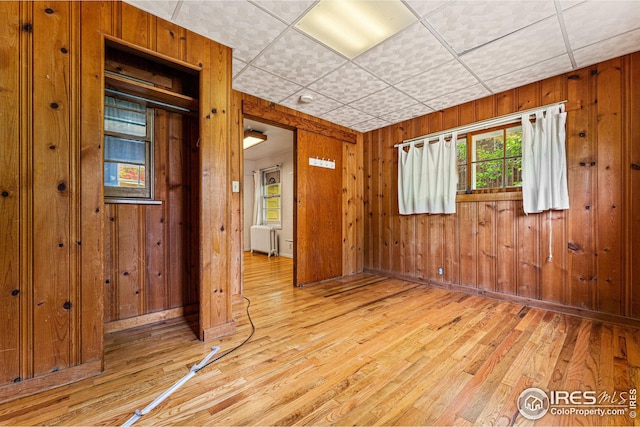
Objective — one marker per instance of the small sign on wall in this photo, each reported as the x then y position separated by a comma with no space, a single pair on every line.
322,163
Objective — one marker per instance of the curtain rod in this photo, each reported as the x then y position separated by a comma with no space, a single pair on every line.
147,100
483,124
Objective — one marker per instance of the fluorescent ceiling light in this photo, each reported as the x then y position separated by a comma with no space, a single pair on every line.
252,137
354,26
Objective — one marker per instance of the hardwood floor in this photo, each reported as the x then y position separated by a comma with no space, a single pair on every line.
362,350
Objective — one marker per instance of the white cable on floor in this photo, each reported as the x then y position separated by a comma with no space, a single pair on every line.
194,369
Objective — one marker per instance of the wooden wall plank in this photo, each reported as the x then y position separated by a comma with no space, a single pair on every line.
506,102
170,39
486,246
506,246
110,266
129,262
177,216
581,136
157,223
52,187
96,18
553,281
468,234
610,188
237,199
216,318
137,26
633,168
528,267
436,247
10,284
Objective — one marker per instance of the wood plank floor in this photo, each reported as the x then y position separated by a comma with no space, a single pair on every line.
363,350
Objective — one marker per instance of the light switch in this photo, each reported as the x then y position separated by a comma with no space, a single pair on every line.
235,186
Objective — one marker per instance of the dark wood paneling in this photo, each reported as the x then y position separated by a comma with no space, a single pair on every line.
318,209
610,188
632,167
578,259
52,188
581,137
53,251
10,286
150,248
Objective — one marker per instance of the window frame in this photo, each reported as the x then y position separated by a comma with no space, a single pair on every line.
133,194
266,197
469,162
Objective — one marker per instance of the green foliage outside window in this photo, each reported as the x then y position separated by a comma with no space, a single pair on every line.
494,164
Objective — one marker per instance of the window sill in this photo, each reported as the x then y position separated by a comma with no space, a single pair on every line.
113,200
481,197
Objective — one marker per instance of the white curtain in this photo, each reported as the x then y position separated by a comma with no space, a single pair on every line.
257,198
427,177
544,161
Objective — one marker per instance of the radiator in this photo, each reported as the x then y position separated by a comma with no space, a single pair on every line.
263,239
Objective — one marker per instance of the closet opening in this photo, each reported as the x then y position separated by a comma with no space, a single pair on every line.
151,188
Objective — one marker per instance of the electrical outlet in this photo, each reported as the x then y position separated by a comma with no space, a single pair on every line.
440,271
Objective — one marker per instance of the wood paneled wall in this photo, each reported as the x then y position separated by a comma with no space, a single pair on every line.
151,251
489,245
351,182
53,214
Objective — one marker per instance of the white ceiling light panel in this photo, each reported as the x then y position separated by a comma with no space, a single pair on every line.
354,26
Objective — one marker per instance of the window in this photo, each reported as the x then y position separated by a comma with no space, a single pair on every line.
128,148
490,159
271,208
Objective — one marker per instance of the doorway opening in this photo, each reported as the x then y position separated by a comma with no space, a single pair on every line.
269,192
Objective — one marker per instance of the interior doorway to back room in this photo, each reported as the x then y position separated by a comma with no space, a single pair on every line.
269,190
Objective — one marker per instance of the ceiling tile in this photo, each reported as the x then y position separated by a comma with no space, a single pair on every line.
458,97
438,81
161,8
320,104
237,66
607,49
237,24
425,7
551,67
348,83
591,22
346,116
416,110
370,125
384,102
389,59
469,24
288,11
528,46
298,58
264,85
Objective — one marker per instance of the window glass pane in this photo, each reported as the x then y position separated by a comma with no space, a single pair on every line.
513,174
125,117
487,174
461,150
489,145
462,177
124,175
124,150
514,141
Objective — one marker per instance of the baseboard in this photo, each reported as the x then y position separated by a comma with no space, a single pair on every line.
49,381
147,319
546,305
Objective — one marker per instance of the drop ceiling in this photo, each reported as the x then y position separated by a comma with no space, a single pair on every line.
454,52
